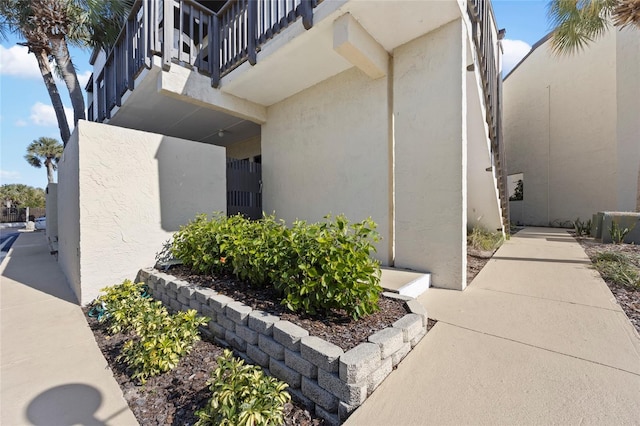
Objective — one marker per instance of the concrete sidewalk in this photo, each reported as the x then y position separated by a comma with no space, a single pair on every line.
52,372
537,338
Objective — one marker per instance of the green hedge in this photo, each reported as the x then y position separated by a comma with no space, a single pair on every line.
315,267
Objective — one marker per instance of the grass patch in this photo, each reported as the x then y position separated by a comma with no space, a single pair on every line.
481,239
619,268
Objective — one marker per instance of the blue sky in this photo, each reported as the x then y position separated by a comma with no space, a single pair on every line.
26,112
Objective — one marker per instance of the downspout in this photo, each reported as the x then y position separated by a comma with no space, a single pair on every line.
548,153
391,149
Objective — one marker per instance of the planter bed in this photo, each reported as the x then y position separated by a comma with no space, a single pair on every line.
321,375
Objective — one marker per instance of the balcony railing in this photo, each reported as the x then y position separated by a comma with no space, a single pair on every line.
184,31
485,38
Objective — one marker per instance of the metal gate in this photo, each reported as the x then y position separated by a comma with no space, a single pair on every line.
244,188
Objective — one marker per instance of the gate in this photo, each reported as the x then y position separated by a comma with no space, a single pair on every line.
244,188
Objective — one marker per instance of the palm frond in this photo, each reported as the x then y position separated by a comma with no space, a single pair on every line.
627,13
577,23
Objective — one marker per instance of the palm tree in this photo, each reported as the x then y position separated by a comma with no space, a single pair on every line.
86,23
45,151
577,23
38,45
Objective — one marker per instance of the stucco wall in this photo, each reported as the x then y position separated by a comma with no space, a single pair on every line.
571,126
69,212
628,118
430,160
244,149
52,212
325,150
135,189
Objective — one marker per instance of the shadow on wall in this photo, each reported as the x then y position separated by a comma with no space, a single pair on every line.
70,404
192,180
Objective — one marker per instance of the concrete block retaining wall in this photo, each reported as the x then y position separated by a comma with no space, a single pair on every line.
320,375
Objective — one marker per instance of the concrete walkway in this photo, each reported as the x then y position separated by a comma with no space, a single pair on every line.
52,372
537,338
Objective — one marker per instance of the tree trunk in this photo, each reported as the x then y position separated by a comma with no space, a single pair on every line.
49,165
56,101
63,60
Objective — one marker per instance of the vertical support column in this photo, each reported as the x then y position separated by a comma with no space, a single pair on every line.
214,50
167,44
430,155
252,24
306,10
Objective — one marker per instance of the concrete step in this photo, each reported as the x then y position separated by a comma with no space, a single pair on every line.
405,282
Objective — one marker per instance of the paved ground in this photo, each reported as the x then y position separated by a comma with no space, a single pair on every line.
537,338
51,370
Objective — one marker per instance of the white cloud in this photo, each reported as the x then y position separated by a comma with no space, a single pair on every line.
9,175
44,115
21,123
17,61
514,51
83,78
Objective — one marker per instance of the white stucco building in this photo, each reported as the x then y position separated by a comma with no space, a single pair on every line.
367,108
572,129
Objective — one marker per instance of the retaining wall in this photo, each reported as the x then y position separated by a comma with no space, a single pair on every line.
321,376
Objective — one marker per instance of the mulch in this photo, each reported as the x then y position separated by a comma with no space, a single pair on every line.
627,297
173,397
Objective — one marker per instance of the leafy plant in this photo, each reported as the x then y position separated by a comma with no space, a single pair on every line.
243,395
582,228
617,233
316,267
198,244
618,268
482,239
120,304
162,340
330,267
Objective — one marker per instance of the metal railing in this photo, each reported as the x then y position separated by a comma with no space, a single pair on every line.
186,32
485,38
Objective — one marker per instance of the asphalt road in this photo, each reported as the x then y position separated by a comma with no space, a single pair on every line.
7,237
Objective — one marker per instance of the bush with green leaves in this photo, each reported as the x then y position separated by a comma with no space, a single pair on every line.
330,267
243,395
316,267
120,304
159,338
198,244
163,339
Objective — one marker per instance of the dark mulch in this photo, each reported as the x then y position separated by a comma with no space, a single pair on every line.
628,298
173,397
335,327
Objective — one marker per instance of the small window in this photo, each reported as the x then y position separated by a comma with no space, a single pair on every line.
516,187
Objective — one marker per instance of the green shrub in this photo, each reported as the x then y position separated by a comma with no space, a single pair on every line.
243,395
482,239
330,267
316,267
198,244
582,228
120,304
253,250
618,268
162,340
